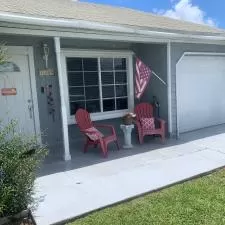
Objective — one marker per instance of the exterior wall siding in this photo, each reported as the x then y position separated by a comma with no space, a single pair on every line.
153,55
177,50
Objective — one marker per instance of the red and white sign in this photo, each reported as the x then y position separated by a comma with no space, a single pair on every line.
8,91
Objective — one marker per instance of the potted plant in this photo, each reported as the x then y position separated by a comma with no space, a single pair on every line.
128,118
19,159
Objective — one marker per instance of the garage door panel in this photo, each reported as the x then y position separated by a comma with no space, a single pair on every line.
200,92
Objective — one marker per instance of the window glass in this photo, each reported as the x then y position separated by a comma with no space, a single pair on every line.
121,77
83,82
108,91
121,90
91,78
85,77
120,64
121,103
107,77
106,64
90,64
74,64
75,78
93,106
92,93
108,105
74,106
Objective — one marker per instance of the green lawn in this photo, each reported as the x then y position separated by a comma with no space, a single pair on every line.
201,201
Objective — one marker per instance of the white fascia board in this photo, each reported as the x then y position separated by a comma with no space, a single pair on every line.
95,26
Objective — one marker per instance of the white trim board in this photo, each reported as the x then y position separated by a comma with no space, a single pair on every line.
97,53
54,23
20,29
200,54
28,50
169,88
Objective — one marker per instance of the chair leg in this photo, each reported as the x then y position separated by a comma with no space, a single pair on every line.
140,137
86,147
104,148
163,138
117,144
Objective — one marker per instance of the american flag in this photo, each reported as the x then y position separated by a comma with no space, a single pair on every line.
143,74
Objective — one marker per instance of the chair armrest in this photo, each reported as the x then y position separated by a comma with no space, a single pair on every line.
85,132
106,126
138,124
162,122
88,132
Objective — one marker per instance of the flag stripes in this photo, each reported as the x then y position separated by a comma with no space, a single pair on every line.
143,74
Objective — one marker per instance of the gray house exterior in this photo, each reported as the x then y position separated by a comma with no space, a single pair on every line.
166,49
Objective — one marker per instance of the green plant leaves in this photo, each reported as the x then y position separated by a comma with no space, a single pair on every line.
19,159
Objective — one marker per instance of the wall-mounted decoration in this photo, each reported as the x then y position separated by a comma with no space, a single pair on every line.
47,72
45,54
9,67
8,91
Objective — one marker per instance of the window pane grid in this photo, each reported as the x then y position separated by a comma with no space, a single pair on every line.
84,84
119,78
110,88
81,71
87,86
112,84
100,84
114,76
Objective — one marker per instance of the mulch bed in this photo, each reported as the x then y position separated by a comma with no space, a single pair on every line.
24,218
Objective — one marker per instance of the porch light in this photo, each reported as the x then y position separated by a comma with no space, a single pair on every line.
45,54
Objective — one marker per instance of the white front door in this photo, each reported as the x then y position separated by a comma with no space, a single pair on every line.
16,100
200,91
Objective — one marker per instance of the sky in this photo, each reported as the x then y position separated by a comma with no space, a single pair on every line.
210,12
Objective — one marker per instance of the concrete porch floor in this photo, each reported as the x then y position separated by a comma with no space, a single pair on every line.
68,190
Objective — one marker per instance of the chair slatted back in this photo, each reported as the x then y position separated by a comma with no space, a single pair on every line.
143,110
83,119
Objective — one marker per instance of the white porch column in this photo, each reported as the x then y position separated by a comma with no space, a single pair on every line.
67,155
169,91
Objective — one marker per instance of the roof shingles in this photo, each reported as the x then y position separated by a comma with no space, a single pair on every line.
68,9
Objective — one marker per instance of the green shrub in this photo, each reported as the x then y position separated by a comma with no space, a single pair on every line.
19,159
3,53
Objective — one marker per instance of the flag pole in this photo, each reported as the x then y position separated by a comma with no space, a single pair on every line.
155,74
159,78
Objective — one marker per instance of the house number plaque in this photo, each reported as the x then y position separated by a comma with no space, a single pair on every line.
47,72
8,91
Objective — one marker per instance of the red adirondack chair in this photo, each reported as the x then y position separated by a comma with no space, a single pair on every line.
93,136
143,111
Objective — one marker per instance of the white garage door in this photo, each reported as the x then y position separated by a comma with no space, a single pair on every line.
200,92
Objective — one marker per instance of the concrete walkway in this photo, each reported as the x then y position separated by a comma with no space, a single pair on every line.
73,193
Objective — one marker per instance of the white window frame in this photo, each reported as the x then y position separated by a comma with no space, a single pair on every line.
102,54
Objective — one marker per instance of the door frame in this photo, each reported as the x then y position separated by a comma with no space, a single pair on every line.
178,62
28,51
